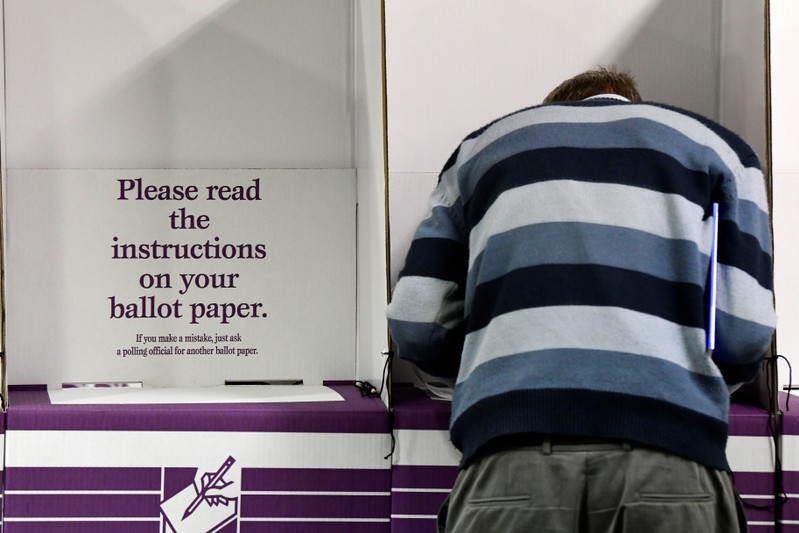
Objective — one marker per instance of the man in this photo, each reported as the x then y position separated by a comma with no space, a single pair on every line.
561,279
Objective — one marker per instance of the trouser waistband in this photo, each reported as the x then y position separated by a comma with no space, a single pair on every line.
547,444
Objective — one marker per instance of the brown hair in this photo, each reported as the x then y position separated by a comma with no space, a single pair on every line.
592,82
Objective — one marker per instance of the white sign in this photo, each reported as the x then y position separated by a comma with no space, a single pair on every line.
180,277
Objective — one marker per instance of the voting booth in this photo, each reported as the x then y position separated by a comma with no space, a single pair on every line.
447,78
194,208
194,192
206,203
785,167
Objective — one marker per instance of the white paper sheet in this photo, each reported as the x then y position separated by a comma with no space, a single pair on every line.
221,394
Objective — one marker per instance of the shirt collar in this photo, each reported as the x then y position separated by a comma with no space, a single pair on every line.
609,95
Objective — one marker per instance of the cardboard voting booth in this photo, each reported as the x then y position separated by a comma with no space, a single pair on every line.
290,465
785,168
194,192
194,207
789,483
443,83
197,193
785,113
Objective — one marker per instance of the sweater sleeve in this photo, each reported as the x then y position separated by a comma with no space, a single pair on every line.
425,315
745,317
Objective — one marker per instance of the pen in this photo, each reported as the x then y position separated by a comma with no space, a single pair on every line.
711,321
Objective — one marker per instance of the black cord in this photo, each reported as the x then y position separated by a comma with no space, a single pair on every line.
387,380
369,390
790,377
780,495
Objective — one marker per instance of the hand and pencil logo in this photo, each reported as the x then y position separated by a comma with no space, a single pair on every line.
206,505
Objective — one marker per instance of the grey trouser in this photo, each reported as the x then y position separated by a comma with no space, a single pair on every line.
590,488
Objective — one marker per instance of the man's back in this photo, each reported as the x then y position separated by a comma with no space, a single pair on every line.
563,276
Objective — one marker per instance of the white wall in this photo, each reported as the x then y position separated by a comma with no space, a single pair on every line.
785,165
742,85
178,84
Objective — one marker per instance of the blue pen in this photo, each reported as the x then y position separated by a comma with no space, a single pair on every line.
711,321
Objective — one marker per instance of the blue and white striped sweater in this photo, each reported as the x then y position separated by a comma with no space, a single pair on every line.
561,276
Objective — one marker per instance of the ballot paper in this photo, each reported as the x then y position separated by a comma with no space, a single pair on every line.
185,395
436,388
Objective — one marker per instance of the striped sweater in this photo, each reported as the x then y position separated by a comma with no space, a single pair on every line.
562,277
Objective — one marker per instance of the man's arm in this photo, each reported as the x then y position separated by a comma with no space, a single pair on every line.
745,318
425,315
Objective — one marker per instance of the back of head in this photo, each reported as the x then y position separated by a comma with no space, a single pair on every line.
601,80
